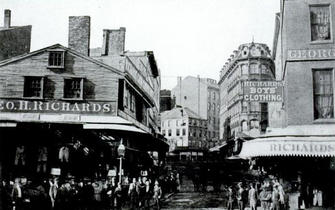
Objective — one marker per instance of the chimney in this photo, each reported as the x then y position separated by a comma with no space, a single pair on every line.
114,41
79,34
7,18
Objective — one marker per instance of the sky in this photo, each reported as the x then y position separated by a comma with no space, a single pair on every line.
188,37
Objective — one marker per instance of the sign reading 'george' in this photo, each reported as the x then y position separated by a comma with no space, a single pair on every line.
263,91
12,105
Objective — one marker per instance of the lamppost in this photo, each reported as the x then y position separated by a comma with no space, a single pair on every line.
121,152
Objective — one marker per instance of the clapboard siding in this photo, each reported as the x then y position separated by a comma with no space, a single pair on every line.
100,83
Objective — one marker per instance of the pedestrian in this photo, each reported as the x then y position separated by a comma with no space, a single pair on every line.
230,198
252,197
265,198
118,196
240,196
140,187
275,198
157,194
133,195
147,195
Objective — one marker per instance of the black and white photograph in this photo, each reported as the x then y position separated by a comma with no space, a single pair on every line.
167,105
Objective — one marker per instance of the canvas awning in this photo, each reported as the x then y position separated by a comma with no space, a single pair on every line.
114,127
217,148
313,146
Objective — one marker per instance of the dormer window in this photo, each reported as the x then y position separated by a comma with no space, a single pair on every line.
56,59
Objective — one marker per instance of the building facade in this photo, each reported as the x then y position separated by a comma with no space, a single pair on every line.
251,62
64,112
201,95
186,133
14,40
300,139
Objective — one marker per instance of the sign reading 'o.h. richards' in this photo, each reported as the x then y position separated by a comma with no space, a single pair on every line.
263,91
32,106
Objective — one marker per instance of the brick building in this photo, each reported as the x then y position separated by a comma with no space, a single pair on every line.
14,40
300,140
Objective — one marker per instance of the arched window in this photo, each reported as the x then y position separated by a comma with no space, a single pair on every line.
244,126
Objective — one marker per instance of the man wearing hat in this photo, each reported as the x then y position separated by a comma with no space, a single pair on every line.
240,196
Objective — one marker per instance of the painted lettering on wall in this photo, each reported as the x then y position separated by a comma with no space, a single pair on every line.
302,147
262,91
57,107
312,54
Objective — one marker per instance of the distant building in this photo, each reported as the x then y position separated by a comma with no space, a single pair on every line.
186,133
166,101
201,95
14,40
251,62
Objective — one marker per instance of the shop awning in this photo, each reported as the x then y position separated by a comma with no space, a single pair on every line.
217,148
313,146
114,127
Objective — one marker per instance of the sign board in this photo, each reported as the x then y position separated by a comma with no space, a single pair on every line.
56,106
111,173
311,54
263,91
55,171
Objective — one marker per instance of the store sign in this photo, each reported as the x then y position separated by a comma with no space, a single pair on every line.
303,147
262,91
12,105
312,54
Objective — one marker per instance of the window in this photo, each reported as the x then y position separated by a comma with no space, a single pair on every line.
169,132
254,106
209,106
178,132
264,69
213,95
132,102
245,106
320,22
323,94
56,59
73,88
254,69
184,132
244,126
244,69
213,107
254,124
169,123
33,87
163,132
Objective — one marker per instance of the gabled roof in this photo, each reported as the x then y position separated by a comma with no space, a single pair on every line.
180,112
59,46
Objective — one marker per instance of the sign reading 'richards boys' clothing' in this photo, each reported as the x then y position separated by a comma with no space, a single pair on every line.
86,107
262,91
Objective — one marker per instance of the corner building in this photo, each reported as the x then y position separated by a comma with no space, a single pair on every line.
300,140
66,112
251,62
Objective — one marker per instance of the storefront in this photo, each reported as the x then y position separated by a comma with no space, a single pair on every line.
304,165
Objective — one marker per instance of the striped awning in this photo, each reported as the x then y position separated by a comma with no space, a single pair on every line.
313,146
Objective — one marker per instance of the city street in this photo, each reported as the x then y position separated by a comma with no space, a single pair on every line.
193,200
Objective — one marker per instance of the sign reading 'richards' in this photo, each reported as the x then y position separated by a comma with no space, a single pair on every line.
263,91
57,107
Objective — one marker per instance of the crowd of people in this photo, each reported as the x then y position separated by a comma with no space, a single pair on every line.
86,194
269,196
